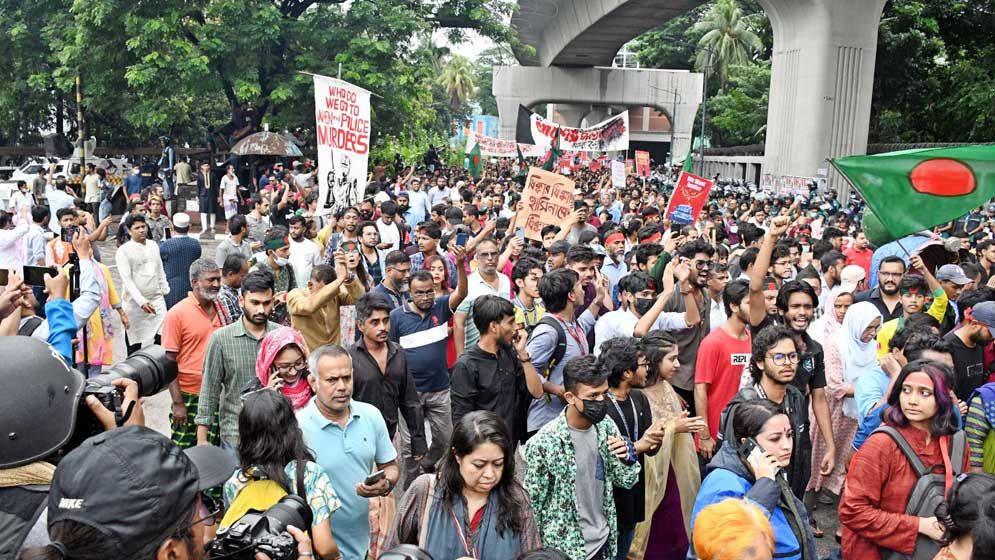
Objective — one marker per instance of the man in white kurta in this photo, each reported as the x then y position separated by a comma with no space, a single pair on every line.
145,285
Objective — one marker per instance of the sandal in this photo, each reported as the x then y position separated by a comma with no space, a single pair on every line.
816,531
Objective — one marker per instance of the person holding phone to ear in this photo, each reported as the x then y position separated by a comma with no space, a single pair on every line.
752,466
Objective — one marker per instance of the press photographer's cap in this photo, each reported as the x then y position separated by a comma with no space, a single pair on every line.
134,486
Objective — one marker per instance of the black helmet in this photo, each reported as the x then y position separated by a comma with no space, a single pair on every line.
40,396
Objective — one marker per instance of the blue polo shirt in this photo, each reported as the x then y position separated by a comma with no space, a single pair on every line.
349,455
424,340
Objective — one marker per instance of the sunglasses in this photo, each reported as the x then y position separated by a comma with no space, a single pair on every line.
209,511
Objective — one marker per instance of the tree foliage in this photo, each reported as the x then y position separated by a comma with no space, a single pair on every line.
727,35
739,116
179,66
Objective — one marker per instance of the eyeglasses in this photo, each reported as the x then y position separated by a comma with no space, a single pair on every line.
209,511
642,364
423,294
782,263
781,359
703,265
299,365
489,255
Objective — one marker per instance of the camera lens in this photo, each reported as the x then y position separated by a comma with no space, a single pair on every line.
290,510
150,368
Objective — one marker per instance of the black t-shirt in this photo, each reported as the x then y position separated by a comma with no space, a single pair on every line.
630,504
811,371
969,368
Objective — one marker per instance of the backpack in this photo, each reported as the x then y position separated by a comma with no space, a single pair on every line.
986,396
928,491
260,494
30,326
561,343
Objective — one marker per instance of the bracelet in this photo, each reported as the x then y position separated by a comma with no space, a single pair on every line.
527,358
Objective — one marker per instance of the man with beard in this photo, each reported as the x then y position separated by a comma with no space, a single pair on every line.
428,235
380,373
258,219
967,346
350,232
885,297
638,294
421,328
718,278
723,362
497,373
230,361
773,364
697,257
188,327
614,267
394,286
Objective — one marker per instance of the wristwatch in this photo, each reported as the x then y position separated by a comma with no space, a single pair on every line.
390,487
351,277
527,358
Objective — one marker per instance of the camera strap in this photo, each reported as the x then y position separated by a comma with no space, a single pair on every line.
122,417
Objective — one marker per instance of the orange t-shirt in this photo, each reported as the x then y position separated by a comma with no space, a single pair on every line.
186,330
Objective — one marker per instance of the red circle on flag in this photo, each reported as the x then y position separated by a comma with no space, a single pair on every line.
943,177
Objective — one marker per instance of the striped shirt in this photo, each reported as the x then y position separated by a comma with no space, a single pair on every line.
424,340
977,427
229,363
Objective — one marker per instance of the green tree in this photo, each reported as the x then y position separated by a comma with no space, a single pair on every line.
457,79
739,116
730,35
483,76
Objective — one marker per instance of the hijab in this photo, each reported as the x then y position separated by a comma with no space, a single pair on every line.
299,392
857,356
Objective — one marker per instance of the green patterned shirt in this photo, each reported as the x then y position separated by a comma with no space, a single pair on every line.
551,479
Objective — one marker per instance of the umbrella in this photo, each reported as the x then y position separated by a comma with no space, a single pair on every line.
266,144
912,243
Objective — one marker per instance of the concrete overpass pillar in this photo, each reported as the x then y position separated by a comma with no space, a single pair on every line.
821,82
571,113
596,114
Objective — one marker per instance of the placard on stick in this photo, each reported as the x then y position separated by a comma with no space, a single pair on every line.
548,198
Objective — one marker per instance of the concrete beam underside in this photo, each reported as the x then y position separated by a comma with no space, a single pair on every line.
822,78
587,32
580,88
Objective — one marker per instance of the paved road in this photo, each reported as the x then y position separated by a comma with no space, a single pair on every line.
156,407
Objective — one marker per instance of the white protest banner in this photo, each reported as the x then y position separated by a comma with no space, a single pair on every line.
495,147
342,115
611,135
618,174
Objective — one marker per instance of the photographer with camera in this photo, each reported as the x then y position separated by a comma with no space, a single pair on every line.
38,379
274,462
131,494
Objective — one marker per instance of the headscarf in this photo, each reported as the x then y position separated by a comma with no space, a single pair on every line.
272,344
825,327
858,357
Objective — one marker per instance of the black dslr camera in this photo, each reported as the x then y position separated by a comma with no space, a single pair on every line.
264,532
150,368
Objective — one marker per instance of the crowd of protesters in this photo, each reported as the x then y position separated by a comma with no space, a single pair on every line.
421,372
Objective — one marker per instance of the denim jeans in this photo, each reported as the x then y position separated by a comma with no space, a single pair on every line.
625,536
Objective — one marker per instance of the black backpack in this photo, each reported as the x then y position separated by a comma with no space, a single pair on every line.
561,343
928,491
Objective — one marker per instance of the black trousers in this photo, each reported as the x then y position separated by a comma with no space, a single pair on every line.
132,348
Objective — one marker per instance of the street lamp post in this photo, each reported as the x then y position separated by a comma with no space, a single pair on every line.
673,119
704,96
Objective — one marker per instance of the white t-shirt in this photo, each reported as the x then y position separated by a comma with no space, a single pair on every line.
229,188
304,256
389,233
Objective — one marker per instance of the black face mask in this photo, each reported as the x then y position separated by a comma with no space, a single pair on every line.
594,411
366,215
643,305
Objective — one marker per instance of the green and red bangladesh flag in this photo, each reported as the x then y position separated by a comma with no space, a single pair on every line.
913,190
476,161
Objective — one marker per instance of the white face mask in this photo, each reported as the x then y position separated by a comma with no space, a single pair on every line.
280,261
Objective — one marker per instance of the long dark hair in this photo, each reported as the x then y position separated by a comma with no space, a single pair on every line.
960,512
269,437
472,430
655,346
944,422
